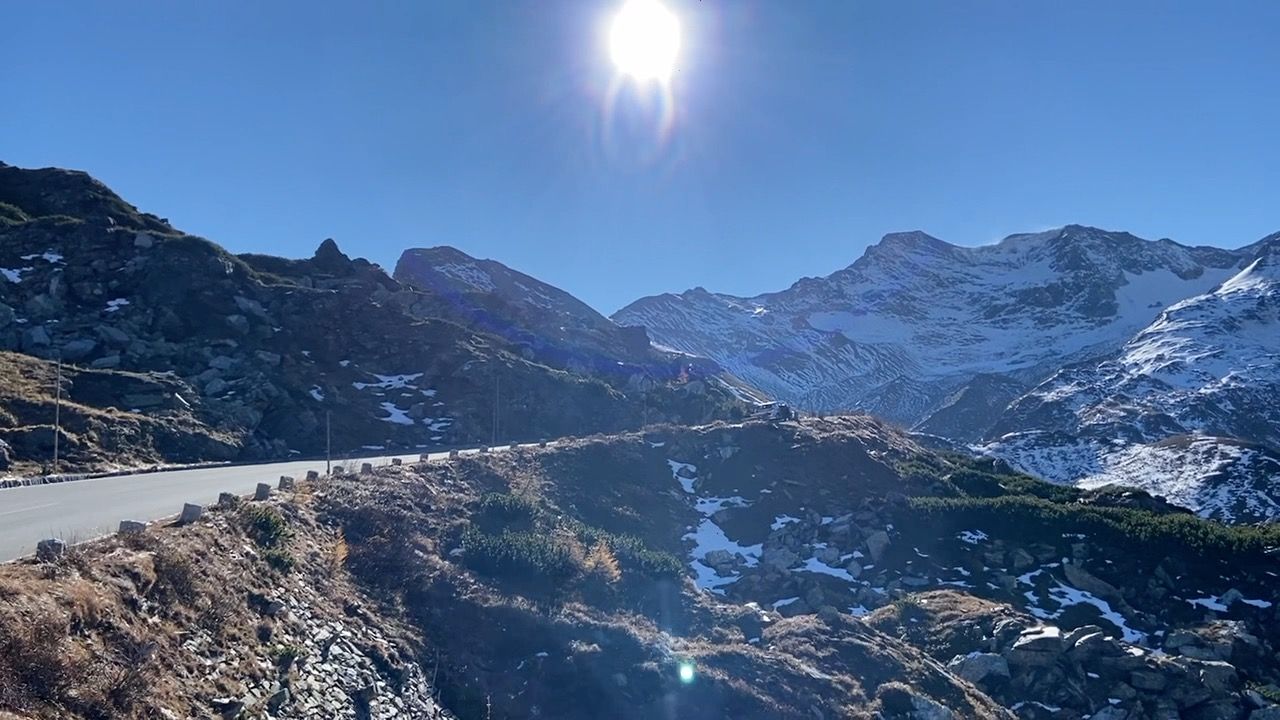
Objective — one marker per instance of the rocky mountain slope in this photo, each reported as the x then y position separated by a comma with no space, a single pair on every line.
259,350
1186,408
1083,355
825,569
545,322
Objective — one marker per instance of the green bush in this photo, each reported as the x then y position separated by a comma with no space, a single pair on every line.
632,552
279,559
506,509
1033,518
522,555
265,525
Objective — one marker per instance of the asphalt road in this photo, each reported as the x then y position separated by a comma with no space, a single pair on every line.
85,509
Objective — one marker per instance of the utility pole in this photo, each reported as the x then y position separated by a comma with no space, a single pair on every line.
57,415
328,444
497,384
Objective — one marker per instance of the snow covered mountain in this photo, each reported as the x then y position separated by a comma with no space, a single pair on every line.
1186,408
1079,355
915,320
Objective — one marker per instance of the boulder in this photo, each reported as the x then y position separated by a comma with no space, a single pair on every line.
877,544
1148,680
780,558
829,556
106,362
854,568
113,335
7,315
1036,647
979,667
78,349
216,386
1266,713
1217,676
51,550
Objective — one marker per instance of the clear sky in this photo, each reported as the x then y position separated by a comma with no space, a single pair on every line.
799,131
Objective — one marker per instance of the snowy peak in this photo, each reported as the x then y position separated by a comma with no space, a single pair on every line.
917,312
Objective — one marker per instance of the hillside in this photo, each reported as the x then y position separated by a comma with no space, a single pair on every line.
257,351
829,569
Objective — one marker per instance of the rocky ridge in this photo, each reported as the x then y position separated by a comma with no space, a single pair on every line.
261,350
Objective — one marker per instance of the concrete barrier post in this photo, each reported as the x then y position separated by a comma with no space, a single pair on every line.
228,500
424,457
190,513
286,483
263,492
338,470
51,550
396,461
484,449
366,468
312,475
131,527
542,444
453,454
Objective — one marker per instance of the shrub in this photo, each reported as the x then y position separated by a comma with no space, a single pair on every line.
521,555
1033,518
507,510
175,577
33,661
630,550
265,525
602,563
279,559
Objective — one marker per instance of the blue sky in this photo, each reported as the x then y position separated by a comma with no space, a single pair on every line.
800,132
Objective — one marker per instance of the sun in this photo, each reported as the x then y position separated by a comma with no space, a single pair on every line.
644,40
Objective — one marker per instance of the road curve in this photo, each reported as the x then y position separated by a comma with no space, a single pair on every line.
85,509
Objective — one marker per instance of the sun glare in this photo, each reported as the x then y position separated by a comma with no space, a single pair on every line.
644,40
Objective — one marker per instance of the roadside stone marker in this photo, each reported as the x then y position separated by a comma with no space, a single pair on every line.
190,513
453,454
395,461
484,449
286,483
312,476
338,470
263,492
51,550
228,500
424,457
366,468
131,527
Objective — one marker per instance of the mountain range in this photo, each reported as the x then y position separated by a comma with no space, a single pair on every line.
1078,354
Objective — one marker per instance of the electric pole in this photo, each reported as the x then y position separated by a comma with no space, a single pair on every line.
497,385
57,414
328,443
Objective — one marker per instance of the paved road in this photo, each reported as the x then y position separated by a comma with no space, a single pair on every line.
85,509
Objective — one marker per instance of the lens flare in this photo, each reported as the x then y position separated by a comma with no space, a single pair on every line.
686,672
644,40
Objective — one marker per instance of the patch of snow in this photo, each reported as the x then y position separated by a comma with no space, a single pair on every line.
395,414
782,521
972,537
317,393
685,482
